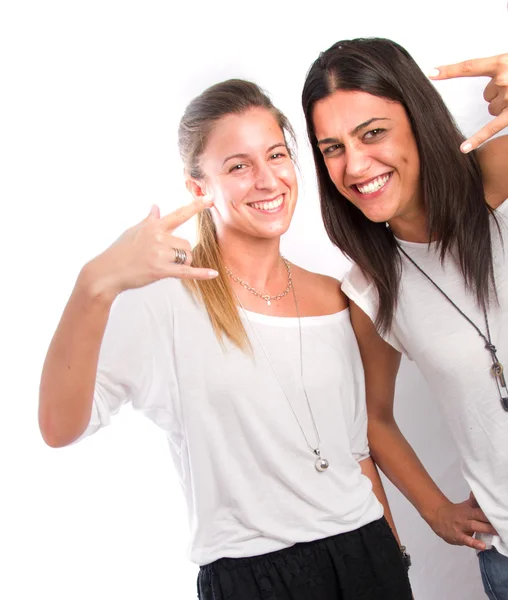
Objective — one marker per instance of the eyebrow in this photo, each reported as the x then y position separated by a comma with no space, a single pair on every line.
244,155
355,131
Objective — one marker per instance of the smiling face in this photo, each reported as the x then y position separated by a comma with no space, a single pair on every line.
249,175
371,155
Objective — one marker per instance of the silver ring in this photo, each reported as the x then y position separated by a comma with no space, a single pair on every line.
180,256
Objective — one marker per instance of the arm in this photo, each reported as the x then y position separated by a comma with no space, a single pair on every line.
455,523
68,376
369,469
142,255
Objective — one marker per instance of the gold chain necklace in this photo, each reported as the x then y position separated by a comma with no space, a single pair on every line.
266,297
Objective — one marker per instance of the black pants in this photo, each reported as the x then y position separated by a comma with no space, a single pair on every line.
364,564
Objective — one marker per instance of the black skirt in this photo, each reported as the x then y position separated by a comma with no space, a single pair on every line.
364,564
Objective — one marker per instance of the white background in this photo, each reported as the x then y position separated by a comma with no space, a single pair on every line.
91,94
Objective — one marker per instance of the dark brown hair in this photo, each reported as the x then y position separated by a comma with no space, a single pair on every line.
234,96
450,182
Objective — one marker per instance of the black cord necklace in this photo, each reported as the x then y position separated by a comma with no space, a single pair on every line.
497,367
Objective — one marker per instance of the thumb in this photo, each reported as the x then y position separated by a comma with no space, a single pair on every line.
154,214
472,500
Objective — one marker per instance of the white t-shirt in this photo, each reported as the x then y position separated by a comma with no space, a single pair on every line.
245,468
452,358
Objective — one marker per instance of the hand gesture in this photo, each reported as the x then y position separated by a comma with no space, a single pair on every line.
148,252
495,93
456,523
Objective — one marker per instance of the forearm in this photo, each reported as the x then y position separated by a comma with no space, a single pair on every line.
69,372
370,470
398,461
455,523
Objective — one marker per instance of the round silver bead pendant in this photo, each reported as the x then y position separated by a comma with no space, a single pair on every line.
322,464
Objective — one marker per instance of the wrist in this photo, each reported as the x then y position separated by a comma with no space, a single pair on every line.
406,558
95,286
431,512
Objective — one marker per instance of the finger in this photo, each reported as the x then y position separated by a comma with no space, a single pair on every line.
154,213
183,214
177,242
472,501
188,272
475,67
180,247
490,92
471,542
497,106
485,133
180,254
482,527
477,514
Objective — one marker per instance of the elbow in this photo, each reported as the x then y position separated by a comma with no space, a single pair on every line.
54,440
380,428
56,432
381,419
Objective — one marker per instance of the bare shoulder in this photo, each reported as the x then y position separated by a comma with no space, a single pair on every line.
318,294
493,158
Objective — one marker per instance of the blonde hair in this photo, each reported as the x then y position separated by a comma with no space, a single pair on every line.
217,294
234,96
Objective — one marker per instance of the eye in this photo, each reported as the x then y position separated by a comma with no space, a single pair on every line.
278,155
374,133
331,149
238,167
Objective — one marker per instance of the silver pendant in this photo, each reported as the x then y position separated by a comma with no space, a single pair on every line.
498,371
321,463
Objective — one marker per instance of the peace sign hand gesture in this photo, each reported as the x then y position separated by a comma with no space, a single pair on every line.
148,252
495,93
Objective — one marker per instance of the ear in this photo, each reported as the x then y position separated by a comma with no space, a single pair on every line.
197,189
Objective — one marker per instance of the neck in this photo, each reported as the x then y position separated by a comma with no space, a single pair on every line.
411,226
255,260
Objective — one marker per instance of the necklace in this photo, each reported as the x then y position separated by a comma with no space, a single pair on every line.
266,297
496,368
321,463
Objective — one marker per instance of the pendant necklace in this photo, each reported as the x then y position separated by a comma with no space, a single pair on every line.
320,463
496,368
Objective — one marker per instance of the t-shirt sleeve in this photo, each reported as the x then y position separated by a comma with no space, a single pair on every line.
364,294
135,360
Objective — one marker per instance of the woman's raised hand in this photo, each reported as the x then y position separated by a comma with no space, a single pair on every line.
146,253
495,93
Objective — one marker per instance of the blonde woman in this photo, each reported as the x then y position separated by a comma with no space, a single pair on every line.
247,362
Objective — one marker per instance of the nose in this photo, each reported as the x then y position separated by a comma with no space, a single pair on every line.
265,178
358,161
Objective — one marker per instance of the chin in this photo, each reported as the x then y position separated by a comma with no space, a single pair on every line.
377,214
275,231
377,218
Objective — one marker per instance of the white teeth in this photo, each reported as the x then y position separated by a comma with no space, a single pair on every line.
271,205
373,186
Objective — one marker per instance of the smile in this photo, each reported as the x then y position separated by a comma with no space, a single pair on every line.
373,186
269,205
